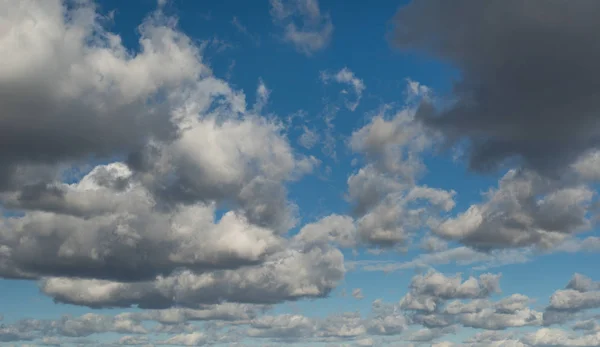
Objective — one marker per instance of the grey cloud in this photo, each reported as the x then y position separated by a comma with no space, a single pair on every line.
582,283
497,319
223,312
590,325
387,203
393,145
512,311
427,335
437,285
525,210
433,244
342,326
244,161
85,325
336,229
134,230
387,319
98,232
581,293
528,76
572,300
288,275
428,292
78,77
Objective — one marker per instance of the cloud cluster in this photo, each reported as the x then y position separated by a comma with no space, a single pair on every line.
436,305
188,205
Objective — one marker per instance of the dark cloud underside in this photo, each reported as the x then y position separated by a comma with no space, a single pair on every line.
529,86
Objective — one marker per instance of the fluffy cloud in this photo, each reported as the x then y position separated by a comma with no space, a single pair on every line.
225,312
315,31
69,326
83,81
101,230
525,210
387,203
144,231
580,294
557,337
287,275
393,145
438,286
518,96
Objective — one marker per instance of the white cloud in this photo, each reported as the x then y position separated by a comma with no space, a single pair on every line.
346,76
315,31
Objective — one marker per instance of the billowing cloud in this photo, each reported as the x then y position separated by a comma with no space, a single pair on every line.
525,210
387,203
196,213
83,81
518,94
287,275
580,294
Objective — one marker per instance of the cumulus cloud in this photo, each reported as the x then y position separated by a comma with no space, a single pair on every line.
315,29
525,210
557,337
581,293
287,275
68,326
93,229
195,213
438,285
83,81
388,204
518,95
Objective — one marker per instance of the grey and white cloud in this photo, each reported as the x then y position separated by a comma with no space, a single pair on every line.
314,31
192,207
387,203
525,210
82,81
519,94
291,274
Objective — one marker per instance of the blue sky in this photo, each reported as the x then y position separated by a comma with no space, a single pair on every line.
260,173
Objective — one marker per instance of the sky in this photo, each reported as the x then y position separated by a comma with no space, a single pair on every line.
299,172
